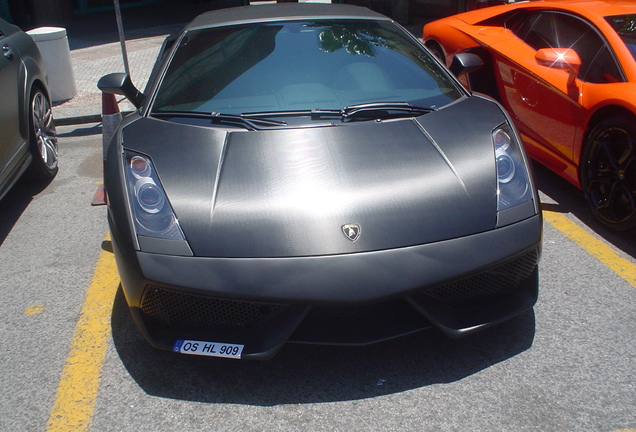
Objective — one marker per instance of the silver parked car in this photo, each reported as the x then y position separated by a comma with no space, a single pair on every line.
309,173
28,142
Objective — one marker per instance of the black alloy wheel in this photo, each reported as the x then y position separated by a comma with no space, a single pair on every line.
608,172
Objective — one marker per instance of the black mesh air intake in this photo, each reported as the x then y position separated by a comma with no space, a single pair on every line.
182,311
490,283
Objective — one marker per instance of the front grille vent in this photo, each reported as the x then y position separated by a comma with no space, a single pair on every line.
497,281
172,310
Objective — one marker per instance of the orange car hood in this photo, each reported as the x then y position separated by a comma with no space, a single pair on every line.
584,7
478,15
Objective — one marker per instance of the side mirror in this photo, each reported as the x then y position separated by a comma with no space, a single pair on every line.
560,58
464,63
120,83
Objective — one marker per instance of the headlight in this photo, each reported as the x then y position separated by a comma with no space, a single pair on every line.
513,179
152,212
149,196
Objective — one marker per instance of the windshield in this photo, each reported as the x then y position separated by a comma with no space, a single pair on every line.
293,66
625,26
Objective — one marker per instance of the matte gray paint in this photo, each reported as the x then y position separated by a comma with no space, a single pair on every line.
287,192
350,278
423,191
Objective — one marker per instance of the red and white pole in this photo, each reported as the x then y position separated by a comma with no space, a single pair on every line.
111,118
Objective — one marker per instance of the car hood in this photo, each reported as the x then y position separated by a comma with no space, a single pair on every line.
477,15
289,192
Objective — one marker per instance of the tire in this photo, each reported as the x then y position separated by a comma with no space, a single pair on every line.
608,172
42,138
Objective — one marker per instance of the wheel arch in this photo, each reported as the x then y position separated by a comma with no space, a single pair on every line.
33,73
603,113
448,33
433,44
484,80
605,175
33,84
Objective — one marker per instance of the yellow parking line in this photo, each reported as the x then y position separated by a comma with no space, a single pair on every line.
592,245
77,390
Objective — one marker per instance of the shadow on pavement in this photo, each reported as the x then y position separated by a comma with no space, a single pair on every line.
16,201
80,131
312,374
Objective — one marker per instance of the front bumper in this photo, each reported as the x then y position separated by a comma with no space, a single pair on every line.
459,286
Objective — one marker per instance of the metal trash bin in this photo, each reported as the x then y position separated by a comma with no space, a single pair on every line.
53,45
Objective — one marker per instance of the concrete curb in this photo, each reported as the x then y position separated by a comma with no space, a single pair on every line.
82,119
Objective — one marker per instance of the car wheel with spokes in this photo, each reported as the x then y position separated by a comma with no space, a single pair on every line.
608,172
42,137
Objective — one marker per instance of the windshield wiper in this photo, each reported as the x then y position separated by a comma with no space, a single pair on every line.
226,119
383,110
314,113
375,110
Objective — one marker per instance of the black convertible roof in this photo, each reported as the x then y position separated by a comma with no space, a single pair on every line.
281,11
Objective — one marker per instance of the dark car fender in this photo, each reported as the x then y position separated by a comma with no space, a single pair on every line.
32,74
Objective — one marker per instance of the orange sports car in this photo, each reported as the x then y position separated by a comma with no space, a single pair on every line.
566,72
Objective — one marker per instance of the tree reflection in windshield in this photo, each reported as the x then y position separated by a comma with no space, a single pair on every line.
625,26
300,65
359,40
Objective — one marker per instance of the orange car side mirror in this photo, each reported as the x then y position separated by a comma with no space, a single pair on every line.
560,58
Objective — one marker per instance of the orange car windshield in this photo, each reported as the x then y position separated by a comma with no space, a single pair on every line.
625,26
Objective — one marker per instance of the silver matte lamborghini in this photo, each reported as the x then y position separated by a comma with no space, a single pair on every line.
311,173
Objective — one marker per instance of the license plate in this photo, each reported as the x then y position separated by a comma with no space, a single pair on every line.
212,349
